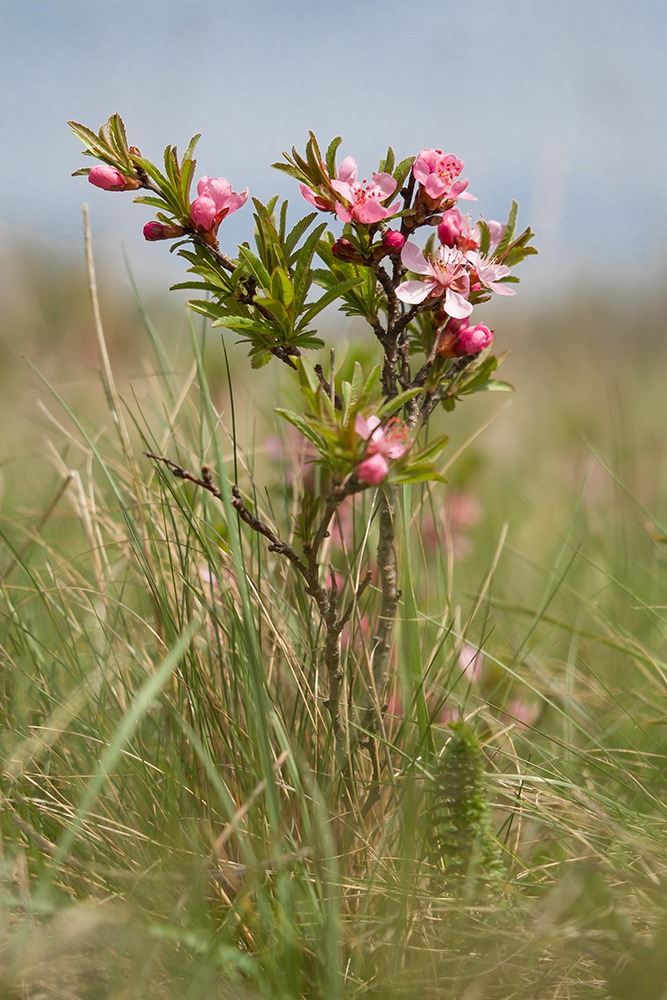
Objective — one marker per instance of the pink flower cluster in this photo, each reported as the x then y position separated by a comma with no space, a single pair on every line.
382,443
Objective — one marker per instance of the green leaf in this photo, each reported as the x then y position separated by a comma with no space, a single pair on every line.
485,241
256,266
432,449
392,406
307,375
302,271
417,474
402,171
336,292
245,325
281,287
509,232
387,165
151,199
298,231
301,425
494,385
331,155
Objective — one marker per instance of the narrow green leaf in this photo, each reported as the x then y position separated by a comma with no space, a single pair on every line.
331,155
509,232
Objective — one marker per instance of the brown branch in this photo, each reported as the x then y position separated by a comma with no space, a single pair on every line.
337,398
206,481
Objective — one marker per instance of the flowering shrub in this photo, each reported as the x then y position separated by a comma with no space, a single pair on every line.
417,301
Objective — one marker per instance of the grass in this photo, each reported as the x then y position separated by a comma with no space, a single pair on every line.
176,822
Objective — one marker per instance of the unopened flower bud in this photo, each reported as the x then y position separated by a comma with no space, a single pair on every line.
347,252
110,179
393,241
449,229
160,231
373,470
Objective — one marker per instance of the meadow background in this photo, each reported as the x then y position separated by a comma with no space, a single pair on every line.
140,856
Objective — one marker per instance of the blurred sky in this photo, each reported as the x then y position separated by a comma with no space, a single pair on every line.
559,104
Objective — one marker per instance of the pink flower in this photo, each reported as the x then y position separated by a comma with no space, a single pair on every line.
447,275
363,202
110,179
489,273
159,231
471,660
382,443
216,201
522,714
438,174
456,230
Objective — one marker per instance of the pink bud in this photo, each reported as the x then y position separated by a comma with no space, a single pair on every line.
393,241
108,178
203,212
158,231
373,470
449,229
475,338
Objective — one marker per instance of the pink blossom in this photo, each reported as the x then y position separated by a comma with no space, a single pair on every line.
472,661
522,714
456,230
437,174
159,231
383,443
363,201
110,179
490,273
446,273
216,201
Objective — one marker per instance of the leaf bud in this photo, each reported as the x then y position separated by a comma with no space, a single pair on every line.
347,252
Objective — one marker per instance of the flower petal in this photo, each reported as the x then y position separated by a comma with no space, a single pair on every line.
365,427
414,259
414,292
347,171
501,289
385,184
456,305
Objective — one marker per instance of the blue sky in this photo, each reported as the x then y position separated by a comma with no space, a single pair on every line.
561,105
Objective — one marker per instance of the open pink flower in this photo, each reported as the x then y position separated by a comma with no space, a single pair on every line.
489,274
445,273
383,443
362,202
437,173
216,201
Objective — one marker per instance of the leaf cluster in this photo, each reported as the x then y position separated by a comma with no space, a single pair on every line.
266,297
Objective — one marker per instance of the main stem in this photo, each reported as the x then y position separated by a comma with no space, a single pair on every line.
388,570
